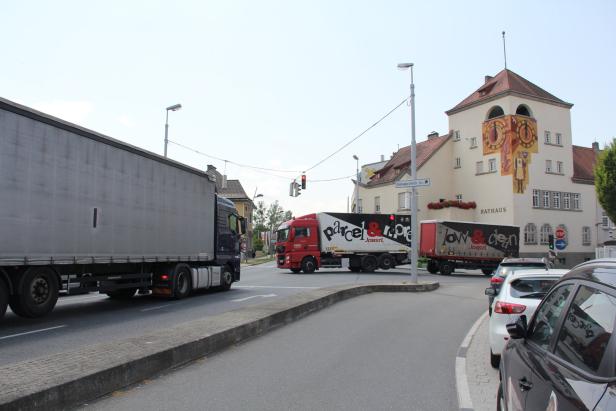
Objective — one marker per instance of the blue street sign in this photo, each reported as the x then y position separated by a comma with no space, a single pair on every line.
560,244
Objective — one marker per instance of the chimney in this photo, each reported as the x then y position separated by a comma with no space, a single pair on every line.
382,157
595,146
211,167
432,134
487,78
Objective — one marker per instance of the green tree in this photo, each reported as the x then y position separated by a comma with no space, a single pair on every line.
259,217
288,215
275,216
605,179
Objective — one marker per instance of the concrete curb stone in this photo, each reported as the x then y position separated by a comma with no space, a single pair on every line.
63,380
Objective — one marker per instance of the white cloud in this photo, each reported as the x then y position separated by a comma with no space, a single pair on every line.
73,111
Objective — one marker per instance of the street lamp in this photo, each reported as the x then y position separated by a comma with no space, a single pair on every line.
414,228
174,107
356,185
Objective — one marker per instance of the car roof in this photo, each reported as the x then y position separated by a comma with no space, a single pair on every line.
601,271
556,273
512,261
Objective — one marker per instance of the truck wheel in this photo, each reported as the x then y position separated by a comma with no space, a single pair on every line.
446,267
122,294
386,261
37,294
432,267
308,265
369,263
226,280
487,271
4,298
182,282
295,270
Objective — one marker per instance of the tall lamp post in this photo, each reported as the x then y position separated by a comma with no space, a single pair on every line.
174,107
356,184
414,228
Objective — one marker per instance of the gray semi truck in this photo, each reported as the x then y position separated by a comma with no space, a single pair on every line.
82,212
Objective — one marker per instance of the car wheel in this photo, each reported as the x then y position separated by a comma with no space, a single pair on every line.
386,261
494,360
308,265
500,399
38,293
182,283
295,270
446,267
432,267
369,263
227,279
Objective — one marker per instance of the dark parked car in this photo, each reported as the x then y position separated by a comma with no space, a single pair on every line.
506,267
565,359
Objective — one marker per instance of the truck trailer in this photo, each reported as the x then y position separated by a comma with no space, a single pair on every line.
83,212
364,242
461,244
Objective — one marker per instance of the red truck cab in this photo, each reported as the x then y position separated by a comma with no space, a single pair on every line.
297,244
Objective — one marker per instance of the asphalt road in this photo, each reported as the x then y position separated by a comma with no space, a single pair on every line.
92,318
379,351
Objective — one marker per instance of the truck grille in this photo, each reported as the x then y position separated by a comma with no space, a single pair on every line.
280,249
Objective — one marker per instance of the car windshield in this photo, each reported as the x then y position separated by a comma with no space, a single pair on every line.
282,234
505,270
531,287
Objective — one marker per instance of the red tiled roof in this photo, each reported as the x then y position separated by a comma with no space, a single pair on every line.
401,160
507,82
584,160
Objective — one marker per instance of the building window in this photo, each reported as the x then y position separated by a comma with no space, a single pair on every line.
566,201
404,201
479,166
555,199
456,135
605,221
545,233
585,235
548,137
459,197
546,199
530,234
492,165
548,166
576,201
496,111
536,198
458,163
559,167
559,139
360,208
473,142
377,204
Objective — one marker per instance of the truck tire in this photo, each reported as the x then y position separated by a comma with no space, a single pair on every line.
446,267
37,294
296,270
369,263
487,271
182,281
4,298
308,265
386,261
122,294
227,279
432,267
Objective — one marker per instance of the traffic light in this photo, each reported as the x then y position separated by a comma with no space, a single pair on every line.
292,189
298,189
303,181
551,241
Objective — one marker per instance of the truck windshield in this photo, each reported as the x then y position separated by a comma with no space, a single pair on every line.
282,235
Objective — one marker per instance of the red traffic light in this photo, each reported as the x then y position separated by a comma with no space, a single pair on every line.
303,181
391,217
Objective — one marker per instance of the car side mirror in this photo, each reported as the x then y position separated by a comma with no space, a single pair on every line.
518,329
490,292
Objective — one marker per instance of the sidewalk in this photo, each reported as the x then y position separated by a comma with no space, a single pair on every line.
482,378
258,260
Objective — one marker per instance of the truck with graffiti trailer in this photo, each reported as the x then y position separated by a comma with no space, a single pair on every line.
83,212
462,244
362,242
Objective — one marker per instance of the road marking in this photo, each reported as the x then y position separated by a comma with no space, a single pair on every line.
255,296
274,287
464,393
32,332
73,299
156,308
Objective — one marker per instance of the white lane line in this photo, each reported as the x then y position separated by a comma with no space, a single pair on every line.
274,287
255,296
464,393
156,308
32,332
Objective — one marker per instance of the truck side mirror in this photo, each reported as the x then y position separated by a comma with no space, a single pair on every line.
519,329
491,292
243,225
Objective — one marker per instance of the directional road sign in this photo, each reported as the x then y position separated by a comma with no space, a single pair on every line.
421,182
560,244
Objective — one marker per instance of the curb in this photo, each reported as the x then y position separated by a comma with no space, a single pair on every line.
63,380
464,394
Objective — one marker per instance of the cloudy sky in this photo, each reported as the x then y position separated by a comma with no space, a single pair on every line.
283,84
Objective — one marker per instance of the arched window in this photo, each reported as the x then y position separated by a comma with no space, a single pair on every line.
585,235
495,111
544,234
523,110
530,234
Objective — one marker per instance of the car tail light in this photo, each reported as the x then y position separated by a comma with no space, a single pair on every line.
496,280
508,308
164,277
